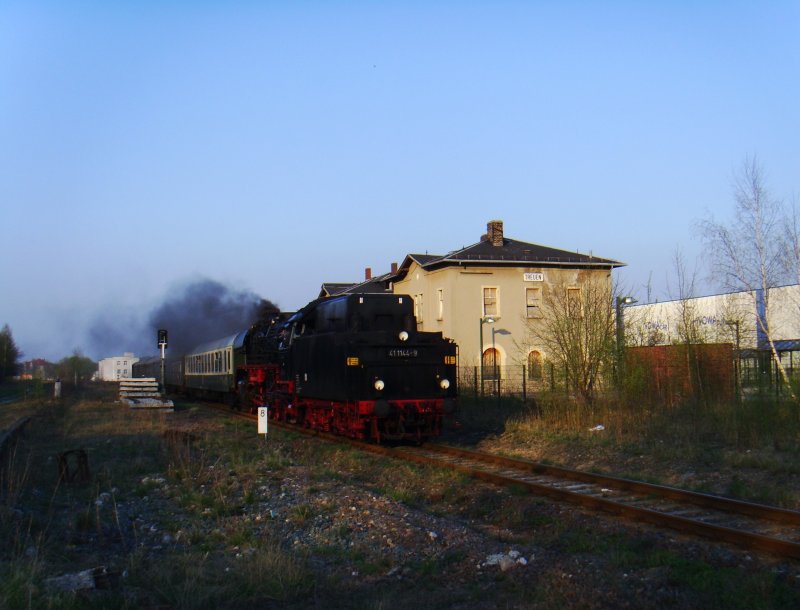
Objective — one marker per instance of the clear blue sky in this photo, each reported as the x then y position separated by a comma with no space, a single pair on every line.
274,146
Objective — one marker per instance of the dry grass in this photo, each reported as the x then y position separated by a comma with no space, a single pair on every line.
741,448
49,526
207,490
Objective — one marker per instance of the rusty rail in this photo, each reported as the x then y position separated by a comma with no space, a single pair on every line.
640,501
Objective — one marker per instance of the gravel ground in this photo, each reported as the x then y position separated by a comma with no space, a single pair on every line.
458,544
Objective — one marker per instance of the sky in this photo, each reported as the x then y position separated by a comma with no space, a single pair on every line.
273,146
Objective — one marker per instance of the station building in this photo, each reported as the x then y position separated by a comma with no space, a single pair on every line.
485,296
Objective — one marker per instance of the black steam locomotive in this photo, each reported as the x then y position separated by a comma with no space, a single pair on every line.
353,365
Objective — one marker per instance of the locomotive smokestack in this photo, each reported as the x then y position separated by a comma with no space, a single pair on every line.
368,273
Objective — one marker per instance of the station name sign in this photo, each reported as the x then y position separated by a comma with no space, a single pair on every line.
533,277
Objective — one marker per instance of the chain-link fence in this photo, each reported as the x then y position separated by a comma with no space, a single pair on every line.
728,374
518,381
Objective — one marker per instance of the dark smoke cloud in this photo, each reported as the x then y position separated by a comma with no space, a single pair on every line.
193,314
204,311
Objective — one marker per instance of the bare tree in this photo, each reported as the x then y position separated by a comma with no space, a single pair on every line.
791,245
577,333
749,253
684,293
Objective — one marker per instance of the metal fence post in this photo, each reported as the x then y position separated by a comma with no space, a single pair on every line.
524,385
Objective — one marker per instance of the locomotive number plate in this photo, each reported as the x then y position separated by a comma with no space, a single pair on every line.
398,352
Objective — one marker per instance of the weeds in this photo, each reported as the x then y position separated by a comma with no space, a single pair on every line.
198,531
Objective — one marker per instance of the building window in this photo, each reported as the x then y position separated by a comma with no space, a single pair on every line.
533,302
418,308
490,301
535,366
440,304
574,302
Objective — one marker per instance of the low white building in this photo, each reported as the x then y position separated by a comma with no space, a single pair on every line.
116,367
723,318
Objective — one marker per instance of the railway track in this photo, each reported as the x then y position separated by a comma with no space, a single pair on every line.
748,525
753,526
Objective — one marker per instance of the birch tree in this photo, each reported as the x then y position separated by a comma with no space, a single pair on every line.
749,253
577,333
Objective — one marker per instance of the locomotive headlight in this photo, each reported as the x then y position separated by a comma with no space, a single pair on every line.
379,385
403,336
444,384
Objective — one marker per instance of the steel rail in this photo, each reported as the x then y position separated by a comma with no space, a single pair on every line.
760,511
740,537
489,467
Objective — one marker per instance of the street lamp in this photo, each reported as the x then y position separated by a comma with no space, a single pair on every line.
495,373
484,320
621,302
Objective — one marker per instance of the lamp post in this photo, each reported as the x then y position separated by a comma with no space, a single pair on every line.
621,302
484,320
495,372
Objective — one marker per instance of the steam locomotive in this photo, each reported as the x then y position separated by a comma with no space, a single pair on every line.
353,365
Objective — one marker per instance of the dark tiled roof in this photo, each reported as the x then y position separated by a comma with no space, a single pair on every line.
330,289
483,253
511,252
376,284
424,259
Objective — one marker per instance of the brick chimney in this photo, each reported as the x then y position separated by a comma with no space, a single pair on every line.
394,268
368,274
494,232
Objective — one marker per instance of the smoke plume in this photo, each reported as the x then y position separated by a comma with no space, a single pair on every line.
194,314
204,311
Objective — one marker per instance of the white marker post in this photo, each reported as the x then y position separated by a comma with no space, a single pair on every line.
162,343
263,421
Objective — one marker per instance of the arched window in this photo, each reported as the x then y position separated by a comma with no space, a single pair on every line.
535,366
491,364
